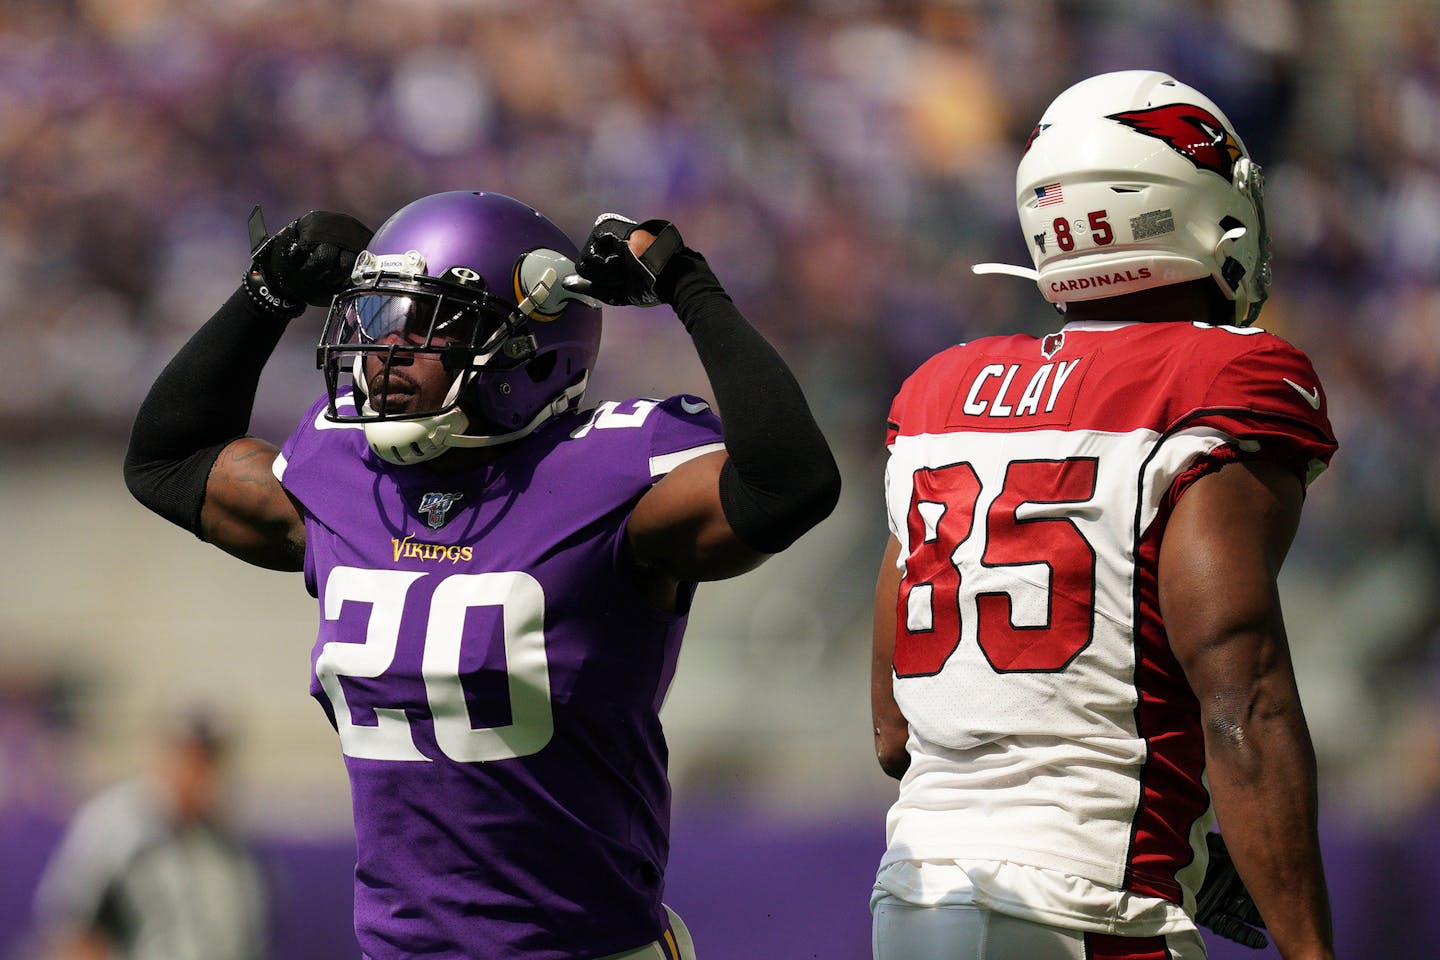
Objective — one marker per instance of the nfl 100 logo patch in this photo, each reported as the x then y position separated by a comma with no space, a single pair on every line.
435,508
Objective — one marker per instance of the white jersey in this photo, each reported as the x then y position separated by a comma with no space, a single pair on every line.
1055,743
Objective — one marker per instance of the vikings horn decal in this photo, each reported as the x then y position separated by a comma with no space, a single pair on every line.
1191,131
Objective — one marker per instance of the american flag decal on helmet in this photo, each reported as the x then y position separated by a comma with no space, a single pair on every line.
1048,194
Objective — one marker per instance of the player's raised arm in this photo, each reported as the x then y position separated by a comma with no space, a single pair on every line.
1219,560
721,514
189,459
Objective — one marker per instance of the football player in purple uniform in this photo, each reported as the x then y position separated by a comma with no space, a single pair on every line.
1080,662
503,576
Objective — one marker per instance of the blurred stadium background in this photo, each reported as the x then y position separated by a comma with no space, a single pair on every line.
842,164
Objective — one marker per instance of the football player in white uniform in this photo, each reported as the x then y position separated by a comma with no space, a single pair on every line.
1080,663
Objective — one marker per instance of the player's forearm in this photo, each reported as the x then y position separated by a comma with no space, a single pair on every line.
1261,769
201,401
781,478
891,728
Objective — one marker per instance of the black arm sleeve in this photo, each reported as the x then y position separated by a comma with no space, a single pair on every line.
200,402
781,478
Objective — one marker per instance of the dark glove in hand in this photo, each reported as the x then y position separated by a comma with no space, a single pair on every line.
609,271
308,261
1223,904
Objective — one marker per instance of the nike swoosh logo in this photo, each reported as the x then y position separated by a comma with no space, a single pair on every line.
1312,396
693,408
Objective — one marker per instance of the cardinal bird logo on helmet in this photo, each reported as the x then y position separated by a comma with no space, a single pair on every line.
1039,129
1193,132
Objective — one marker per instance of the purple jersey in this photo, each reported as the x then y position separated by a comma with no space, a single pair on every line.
495,677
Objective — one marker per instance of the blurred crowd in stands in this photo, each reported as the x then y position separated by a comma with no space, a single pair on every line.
841,162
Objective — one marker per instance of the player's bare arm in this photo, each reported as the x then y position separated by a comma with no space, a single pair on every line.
189,458
247,513
891,728
722,514
679,527
1219,561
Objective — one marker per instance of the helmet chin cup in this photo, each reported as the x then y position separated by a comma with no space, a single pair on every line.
405,442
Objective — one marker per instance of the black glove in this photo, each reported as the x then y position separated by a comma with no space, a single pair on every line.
1223,904
308,261
610,272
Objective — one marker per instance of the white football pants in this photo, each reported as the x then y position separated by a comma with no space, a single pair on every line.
903,931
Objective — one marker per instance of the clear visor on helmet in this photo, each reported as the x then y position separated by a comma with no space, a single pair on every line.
412,319
413,340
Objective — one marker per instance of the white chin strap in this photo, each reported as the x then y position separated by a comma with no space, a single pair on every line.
1026,273
1010,270
405,442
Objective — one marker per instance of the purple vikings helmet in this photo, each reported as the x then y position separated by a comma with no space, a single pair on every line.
471,279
